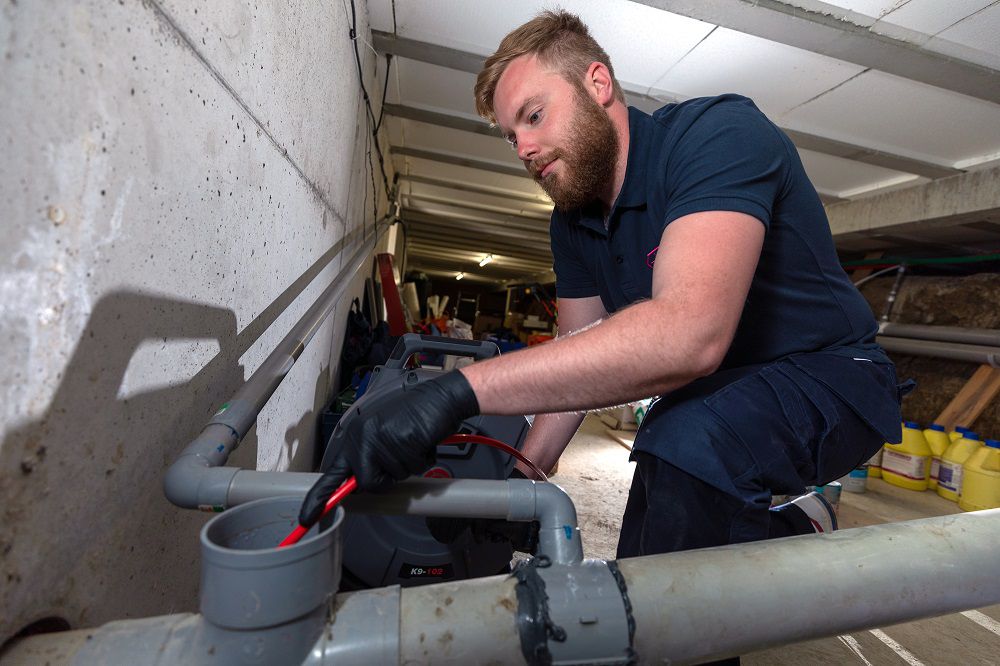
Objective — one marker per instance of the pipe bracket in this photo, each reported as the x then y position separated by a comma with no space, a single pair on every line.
534,625
627,603
574,614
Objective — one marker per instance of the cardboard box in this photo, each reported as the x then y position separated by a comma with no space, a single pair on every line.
619,418
485,324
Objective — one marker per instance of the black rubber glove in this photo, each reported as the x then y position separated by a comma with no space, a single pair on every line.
392,436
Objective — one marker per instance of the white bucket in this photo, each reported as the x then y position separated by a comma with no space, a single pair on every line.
856,481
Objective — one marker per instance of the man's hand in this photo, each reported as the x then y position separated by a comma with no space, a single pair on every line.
392,436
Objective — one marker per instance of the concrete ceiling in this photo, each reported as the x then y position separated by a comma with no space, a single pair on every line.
883,98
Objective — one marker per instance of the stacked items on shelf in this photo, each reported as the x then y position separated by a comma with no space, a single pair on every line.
958,465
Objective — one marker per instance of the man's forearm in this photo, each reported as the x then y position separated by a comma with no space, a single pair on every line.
638,352
549,435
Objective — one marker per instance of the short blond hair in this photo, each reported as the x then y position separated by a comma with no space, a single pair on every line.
558,39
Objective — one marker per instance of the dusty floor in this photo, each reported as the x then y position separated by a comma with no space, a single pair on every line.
596,473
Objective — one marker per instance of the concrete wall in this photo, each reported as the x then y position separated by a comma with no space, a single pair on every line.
177,182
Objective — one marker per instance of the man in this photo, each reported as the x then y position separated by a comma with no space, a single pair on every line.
694,262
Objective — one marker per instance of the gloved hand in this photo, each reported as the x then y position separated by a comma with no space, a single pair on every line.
392,436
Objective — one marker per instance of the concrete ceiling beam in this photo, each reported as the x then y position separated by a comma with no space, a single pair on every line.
873,156
532,214
448,230
443,56
525,225
961,199
823,28
453,254
803,140
484,246
458,160
536,199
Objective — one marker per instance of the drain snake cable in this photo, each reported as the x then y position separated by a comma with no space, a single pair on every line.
351,483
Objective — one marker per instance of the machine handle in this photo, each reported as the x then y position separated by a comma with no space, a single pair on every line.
412,343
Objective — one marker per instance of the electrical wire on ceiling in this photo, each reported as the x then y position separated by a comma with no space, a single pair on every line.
373,124
860,283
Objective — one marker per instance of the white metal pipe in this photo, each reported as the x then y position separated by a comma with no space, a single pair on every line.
971,336
688,607
709,604
465,622
948,350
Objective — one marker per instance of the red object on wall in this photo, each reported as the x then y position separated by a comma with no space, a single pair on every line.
390,292
438,472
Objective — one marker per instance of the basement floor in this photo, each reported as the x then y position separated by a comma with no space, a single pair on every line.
596,473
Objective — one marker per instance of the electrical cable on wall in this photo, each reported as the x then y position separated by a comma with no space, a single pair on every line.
371,121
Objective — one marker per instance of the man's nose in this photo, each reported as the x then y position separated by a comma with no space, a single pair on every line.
527,149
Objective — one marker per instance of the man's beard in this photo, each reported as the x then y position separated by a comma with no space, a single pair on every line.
588,159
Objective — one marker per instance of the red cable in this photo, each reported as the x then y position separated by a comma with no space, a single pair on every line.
347,487
496,444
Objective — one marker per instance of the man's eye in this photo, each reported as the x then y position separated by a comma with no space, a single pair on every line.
512,140
534,117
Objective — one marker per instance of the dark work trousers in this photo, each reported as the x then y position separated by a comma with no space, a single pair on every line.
710,456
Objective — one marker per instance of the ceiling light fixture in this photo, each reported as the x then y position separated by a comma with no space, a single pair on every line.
460,276
487,259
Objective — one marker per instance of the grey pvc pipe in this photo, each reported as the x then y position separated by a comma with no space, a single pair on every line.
513,499
688,607
948,350
193,482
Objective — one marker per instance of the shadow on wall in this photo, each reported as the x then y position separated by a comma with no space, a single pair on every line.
87,534
303,436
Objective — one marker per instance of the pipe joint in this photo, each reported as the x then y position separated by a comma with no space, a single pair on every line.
573,614
192,483
558,532
237,415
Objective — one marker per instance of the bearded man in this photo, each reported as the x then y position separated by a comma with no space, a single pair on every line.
694,262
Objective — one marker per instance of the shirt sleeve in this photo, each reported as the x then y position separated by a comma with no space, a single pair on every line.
573,279
731,158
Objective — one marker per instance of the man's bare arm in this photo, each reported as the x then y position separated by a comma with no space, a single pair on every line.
550,433
701,278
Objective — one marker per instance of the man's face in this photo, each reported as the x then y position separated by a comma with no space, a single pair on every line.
562,135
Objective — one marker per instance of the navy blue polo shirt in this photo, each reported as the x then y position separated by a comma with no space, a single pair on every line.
720,153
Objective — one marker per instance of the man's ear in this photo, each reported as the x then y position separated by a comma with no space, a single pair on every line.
599,83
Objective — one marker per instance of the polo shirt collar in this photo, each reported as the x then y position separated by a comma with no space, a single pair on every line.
640,130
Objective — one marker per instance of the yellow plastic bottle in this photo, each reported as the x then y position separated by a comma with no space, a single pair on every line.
957,433
950,473
981,479
939,441
908,464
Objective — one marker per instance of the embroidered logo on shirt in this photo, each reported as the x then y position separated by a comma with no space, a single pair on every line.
651,257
